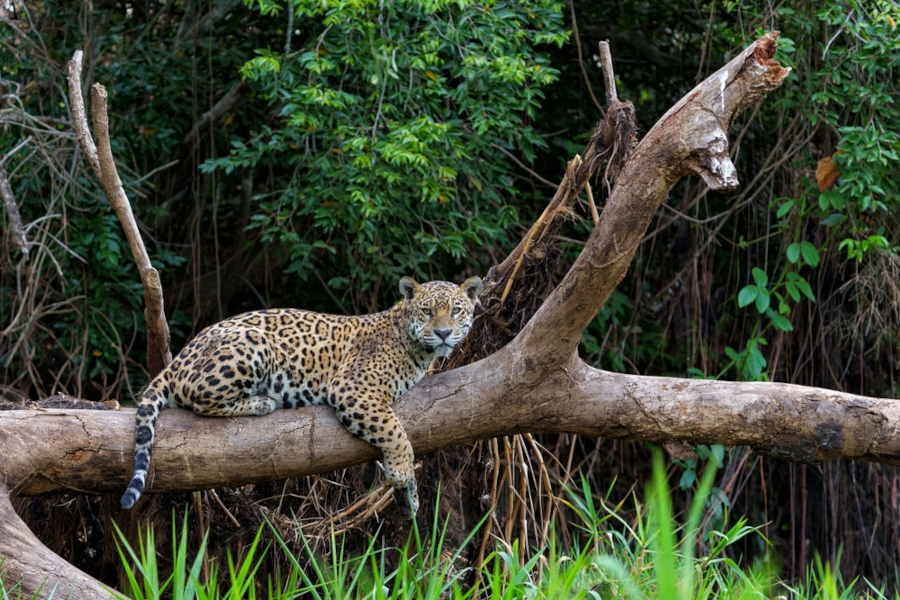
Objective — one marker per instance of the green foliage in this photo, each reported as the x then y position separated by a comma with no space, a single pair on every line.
424,570
648,555
390,116
184,582
646,559
74,305
715,453
848,93
856,91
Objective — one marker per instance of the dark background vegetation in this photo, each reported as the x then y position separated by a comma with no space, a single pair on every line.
362,144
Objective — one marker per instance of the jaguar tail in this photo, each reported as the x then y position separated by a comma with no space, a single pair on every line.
154,398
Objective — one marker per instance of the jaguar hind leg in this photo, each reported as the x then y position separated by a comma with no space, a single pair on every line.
240,407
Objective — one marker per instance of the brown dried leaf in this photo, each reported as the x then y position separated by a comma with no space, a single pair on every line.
826,173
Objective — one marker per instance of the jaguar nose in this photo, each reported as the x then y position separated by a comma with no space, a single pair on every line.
443,333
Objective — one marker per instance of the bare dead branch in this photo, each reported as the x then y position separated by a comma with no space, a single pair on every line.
103,163
609,76
689,139
595,216
523,166
63,449
224,105
20,550
79,116
15,218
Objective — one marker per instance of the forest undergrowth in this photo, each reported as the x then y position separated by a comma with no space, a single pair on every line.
655,554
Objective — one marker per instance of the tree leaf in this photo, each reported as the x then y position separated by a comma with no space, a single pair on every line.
747,295
762,300
804,287
826,173
784,208
760,277
779,321
810,254
793,253
792,290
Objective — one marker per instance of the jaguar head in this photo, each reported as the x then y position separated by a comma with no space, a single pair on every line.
439,313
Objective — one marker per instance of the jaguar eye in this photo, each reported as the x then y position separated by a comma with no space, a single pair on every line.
456,310
427,312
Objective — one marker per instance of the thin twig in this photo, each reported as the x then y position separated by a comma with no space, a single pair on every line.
587,81
229,101
545,477
523,166
531,235
378,113
15,218
594,214
290,27
15,149
215,497
201,528
154,172
523,503
492,503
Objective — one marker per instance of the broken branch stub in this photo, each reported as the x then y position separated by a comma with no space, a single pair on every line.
104,166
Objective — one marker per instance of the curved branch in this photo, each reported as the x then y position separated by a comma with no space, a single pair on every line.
689,139
26,561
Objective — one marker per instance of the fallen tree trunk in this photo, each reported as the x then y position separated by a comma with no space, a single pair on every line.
535,384
52,450
65,450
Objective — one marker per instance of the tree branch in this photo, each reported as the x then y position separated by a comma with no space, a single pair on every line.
104,166
15,218
689,139
224,105
74,450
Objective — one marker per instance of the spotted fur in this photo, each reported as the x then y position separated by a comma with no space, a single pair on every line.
256,362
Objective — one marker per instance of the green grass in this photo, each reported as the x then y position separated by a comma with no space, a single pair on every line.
648,556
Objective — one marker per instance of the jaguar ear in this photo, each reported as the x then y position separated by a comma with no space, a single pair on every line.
409,288
471,287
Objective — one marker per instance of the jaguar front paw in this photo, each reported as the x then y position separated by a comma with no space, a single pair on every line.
407,500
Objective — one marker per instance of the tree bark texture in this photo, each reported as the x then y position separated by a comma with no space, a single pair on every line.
15,217
537,383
